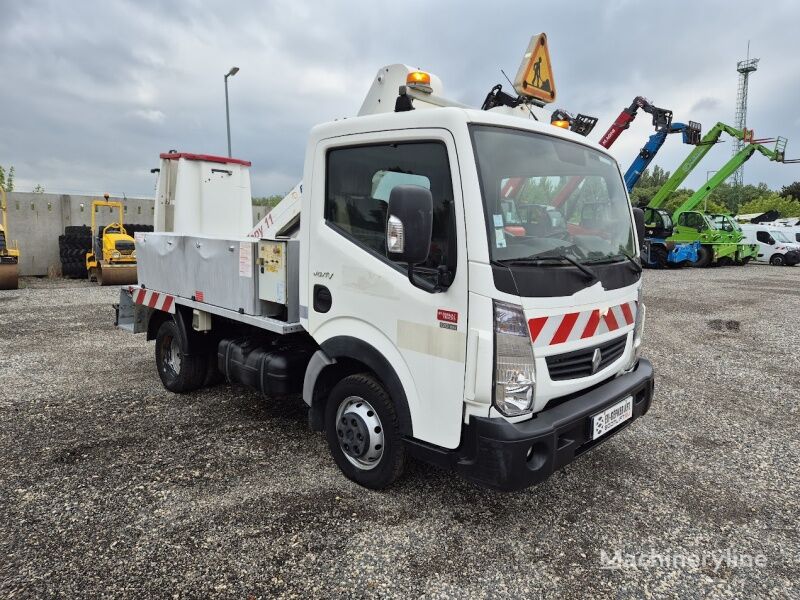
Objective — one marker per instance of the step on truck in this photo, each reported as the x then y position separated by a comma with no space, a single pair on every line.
385,291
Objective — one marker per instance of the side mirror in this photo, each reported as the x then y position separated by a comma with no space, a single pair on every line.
638,220
409,225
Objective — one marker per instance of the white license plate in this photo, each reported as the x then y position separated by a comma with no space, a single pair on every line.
605,421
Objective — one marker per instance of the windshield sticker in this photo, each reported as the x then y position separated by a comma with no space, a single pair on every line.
500,238
498,220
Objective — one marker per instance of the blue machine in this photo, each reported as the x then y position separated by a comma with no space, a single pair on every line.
656,252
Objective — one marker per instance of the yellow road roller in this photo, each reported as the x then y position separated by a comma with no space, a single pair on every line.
9,251
112,260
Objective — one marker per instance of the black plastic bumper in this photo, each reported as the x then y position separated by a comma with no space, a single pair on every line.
512,456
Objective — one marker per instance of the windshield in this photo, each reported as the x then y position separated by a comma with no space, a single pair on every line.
723,222
544,197
780,236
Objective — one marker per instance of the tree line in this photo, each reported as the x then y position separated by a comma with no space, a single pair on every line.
726,198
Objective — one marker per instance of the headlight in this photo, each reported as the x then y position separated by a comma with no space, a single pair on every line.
514,375
133,254
638,332
115,254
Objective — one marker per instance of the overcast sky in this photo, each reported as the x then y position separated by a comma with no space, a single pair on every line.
92,91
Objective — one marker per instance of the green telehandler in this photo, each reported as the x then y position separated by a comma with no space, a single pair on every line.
721,240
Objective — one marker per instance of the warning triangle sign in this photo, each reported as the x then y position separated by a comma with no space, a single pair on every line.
535,75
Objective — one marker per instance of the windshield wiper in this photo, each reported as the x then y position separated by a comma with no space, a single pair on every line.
537,258
636,266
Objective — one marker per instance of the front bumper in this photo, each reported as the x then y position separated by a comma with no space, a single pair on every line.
512,456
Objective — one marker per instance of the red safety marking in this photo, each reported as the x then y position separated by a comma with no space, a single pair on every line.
611,320
591,326
140,296
153,300
167,304
563,331
626,312
536,325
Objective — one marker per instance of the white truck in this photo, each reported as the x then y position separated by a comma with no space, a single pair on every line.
385,289
775,243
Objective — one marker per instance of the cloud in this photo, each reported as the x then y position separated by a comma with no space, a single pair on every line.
94,90
706,104
149,114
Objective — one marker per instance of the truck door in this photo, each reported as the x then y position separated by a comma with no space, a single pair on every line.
356,291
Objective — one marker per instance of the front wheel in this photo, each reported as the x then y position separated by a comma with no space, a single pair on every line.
179,371
363,432
777,260
704,257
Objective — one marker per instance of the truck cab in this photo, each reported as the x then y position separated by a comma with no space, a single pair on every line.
775,245
490,330
423,328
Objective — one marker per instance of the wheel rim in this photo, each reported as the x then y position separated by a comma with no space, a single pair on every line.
171,354
360,433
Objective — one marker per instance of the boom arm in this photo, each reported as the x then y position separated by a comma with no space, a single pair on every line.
690,162
691,135
662,119
726,171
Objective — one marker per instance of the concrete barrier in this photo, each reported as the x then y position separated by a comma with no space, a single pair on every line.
36,221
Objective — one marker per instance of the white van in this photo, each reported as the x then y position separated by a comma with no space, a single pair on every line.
775,245
790,227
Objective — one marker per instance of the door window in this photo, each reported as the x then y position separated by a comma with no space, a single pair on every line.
360,180
764,238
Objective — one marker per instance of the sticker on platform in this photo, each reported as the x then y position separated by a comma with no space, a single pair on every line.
498,220
245,259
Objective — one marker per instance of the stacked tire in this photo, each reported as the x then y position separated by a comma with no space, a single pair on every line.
77,242
135,228
72,249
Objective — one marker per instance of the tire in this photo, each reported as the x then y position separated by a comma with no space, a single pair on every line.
180,371
776,260
704,257
725,261
379,460
659,257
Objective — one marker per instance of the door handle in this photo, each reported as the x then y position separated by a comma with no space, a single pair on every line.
322,299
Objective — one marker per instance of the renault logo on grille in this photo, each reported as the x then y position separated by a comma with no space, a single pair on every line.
596,358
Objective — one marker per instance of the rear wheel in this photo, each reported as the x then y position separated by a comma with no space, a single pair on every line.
179,370
725,261
363,432
777,260
658,257
704,257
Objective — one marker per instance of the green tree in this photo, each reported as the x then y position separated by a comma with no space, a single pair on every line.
732,197
793,190
7,179
271,201
39,189
786,206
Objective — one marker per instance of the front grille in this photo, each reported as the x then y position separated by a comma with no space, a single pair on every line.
573,365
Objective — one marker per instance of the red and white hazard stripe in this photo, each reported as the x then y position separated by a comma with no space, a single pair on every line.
558,329
152,299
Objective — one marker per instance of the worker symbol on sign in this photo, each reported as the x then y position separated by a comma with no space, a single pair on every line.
535,75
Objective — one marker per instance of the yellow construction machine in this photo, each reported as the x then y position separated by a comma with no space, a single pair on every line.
9,251
112,260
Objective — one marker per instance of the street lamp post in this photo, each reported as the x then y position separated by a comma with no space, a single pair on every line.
231,73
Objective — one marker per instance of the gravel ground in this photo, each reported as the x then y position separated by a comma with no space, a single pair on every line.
109,485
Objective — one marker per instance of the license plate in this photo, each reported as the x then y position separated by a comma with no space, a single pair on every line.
605,421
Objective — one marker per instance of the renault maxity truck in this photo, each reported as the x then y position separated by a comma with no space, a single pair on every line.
386,290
